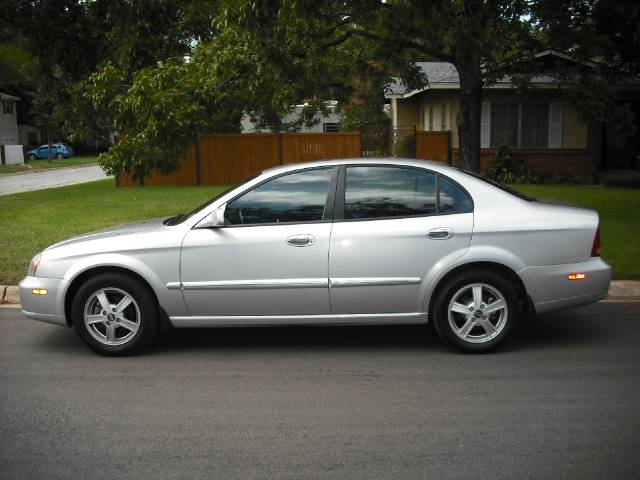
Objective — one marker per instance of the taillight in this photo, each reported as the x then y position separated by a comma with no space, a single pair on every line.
595,249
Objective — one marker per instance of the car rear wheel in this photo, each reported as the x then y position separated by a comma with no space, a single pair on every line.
475,310
115,314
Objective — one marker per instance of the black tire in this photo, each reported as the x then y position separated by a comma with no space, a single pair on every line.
144,306
504,324
59,156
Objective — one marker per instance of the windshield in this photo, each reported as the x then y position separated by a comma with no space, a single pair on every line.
499,185
177,219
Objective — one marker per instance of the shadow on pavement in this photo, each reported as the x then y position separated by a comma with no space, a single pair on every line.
547,332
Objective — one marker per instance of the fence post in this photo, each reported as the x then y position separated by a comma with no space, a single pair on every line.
415,142
198,166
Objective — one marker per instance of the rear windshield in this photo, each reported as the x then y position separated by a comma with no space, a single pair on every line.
499,185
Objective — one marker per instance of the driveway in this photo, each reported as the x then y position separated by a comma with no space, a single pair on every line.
330,402
57,177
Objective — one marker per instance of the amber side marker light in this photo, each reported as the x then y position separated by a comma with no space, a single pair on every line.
576,276
39,291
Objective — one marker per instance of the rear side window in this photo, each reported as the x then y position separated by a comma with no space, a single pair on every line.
387,192
452,198
377,192
293,198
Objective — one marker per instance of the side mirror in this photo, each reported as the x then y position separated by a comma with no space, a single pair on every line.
215,220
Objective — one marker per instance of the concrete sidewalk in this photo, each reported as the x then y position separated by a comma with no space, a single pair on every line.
49,178
619,291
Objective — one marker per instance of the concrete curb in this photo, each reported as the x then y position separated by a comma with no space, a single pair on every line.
619,291
38,170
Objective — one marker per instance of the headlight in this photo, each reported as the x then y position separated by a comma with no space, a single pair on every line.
33,266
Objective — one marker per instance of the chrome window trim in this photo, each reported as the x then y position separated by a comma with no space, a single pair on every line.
327,214
338,213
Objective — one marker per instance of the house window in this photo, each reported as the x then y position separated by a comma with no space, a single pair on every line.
430,119
534,125
504,124
443,117
32,138
330,127
7,107
527,125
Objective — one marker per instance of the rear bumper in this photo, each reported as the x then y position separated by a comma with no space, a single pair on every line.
550,289
46,308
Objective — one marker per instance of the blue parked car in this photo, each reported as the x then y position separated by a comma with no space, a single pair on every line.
58,150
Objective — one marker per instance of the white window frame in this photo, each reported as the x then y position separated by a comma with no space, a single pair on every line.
337,127
555,125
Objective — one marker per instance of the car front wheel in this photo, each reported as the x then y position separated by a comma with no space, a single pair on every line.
59,156
476,310
115,314
32,156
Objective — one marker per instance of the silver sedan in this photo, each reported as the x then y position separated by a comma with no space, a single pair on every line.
357,241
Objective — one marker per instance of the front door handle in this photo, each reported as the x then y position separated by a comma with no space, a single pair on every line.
303,240
440,234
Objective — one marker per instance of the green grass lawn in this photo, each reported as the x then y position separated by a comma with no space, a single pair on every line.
30,221
55,163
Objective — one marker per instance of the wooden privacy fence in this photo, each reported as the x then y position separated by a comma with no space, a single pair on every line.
433,146
223,159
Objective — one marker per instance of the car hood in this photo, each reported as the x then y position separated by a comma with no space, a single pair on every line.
131,228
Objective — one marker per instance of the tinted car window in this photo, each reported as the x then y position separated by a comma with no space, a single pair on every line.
297,197
453,199
375,192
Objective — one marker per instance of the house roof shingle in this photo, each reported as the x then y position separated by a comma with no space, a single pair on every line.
441,75
6,96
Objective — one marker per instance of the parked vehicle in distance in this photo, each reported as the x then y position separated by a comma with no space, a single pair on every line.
354,241
58,150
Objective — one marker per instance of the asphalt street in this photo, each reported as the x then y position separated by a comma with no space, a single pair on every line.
57,177
562,400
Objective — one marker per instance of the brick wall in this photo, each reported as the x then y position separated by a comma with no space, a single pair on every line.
555,162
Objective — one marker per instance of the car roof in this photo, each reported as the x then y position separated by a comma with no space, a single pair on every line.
408,162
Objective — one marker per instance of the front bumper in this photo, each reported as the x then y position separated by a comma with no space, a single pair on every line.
46,308
550,289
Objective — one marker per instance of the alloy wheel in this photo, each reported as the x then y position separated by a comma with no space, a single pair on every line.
112,316
477,313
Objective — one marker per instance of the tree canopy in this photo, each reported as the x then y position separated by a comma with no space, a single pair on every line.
161,73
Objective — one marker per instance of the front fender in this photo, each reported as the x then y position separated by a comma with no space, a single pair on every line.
171,300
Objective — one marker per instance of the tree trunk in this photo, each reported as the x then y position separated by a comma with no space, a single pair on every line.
470,110
49,151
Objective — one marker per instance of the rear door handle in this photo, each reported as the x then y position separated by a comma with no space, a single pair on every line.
440,234
303,240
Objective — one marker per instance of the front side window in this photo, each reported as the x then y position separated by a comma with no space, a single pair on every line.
293,198
376,192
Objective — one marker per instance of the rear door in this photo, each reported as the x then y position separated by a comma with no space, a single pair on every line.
393,225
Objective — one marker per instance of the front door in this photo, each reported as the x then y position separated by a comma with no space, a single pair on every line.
392,227
270,258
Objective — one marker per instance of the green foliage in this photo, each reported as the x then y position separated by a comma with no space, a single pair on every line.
501,167
406,146
506,169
